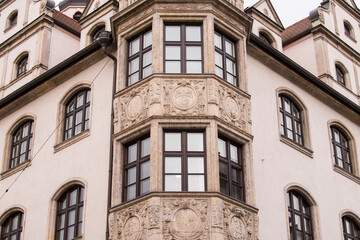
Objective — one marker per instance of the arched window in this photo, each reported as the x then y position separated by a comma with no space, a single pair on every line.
12,19
69,214
77,112
341,149
290,120
349,31
340,75
21,143
266,38
96,32
351,229
12,227
300,221
21,66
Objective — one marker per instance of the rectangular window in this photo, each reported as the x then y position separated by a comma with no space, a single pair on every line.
184,161
183,49
231,169
140,57
137,169
225,59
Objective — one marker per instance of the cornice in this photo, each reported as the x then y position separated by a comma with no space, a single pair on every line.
5,4
110,5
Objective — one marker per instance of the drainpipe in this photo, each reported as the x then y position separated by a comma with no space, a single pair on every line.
105,40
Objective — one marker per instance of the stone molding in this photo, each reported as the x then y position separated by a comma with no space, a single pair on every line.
171,216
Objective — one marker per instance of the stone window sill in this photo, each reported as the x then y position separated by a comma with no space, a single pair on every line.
14,170
71,141
308,152
350,176
10,27
351,38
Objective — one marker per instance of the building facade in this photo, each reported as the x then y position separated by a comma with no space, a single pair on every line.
168,119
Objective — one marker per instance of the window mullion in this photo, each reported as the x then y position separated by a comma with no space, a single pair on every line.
183,49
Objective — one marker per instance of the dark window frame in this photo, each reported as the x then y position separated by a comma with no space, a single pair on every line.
184,154
354,233
72,113
340,75
16,143
225,55
78,207
304,212
13,19
231,165
21,66
137,163
183,44
8,223
140,55
294,119
265,38
345,150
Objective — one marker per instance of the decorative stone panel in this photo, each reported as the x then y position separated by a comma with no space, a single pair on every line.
178,97
200,216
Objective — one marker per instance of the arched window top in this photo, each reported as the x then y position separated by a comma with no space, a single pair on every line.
12,227
341,148
21,143
69,213
12,19
341,73
94,33
77,113
348,29
266,37
351,228
21,64
300,219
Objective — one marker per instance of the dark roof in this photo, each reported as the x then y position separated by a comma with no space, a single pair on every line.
296,31
67,23
65,3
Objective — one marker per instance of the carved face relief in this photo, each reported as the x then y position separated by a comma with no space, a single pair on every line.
237,228
135,107
232,108
132,228
184,97
186,224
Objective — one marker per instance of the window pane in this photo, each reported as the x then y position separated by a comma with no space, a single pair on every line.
219,72
287,105
25,130
134,47
23,147
172,33
193,67
234,153
132,153
133,78
195,142
78,117
71,217
145,170
193,33
61,221
218,41
224,186
236,192
173,183
172,53
77,129
131,176
131,192
236,176
70,233
73,197
218,59
80,100
222,147
15,222
147,39
134,66
172,67
296,203
230,49
145,186
195,165
230,67
147,58
223,170
147,71
173,165
297,222
145,147
231,79
196,183
172,141
193,53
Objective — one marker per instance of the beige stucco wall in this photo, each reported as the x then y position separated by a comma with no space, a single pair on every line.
85,160
277,165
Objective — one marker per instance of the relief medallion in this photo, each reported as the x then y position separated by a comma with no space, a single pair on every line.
186,224
134,107
237,228
132,229
232,108
184,97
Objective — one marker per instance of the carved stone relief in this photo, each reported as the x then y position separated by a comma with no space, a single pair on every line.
184,97
185,219
134,106
155,92
130,222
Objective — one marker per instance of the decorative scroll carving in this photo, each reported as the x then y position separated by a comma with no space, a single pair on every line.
184,97
134,106
213,91
183,7
185,219
155,92
217,213
234,108
112,226
154,216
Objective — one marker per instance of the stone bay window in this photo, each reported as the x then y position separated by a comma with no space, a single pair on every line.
182,139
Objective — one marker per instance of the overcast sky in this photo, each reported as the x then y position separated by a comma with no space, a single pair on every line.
289,11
